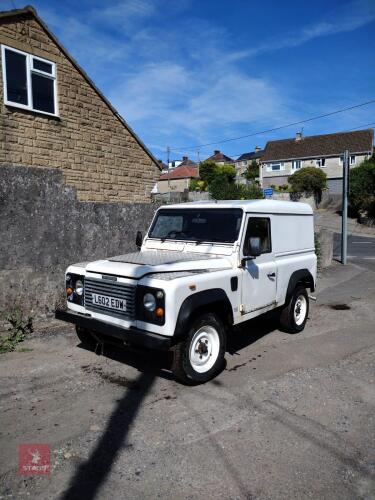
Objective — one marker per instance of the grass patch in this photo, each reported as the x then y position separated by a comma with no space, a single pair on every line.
19,327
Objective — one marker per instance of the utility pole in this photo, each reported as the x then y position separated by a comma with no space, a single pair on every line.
169,181
344,226
199,161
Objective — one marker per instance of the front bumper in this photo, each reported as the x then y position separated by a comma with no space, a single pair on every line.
133,336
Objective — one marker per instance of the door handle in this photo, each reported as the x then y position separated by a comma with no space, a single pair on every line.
271,275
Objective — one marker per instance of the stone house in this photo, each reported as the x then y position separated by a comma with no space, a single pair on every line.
244,161
220,158
52,115
177,180
284,157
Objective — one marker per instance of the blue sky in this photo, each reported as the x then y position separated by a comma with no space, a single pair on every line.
189,72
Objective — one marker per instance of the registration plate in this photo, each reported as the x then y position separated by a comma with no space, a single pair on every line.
110,302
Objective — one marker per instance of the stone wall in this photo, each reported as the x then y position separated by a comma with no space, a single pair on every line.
97,153
44,228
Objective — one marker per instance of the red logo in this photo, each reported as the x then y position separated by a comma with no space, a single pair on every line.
34,459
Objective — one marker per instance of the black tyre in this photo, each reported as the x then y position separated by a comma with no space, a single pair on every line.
200,356
294,315
86,338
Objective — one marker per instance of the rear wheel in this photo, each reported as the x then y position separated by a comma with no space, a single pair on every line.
294,315
200,356
86,338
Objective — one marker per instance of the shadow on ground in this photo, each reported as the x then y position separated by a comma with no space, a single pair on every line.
90,475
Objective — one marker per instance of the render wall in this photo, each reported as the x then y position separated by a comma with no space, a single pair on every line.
95,151
332,168
44,228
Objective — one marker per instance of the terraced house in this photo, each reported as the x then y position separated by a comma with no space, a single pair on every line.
284,157
53,115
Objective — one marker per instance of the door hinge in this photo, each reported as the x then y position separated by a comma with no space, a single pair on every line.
242,309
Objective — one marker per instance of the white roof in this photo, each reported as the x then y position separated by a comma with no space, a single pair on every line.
255,206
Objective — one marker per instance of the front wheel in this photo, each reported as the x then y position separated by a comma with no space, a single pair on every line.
86,338
200,356
294,315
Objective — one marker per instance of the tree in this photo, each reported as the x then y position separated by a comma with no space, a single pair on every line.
310,180
362,188
207,171
224,190
252,171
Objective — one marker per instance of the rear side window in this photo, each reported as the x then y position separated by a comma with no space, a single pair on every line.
258,227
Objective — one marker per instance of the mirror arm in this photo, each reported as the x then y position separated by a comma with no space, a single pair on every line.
245,259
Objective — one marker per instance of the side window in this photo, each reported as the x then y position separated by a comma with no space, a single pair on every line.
259,227
29,81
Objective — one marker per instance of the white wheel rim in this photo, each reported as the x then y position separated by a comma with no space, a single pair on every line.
204,349
300,310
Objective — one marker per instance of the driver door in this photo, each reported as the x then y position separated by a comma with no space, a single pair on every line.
259,275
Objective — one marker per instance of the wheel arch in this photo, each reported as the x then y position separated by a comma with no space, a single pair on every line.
303,277
214,300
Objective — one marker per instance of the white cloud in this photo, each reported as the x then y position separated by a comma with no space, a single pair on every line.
347,17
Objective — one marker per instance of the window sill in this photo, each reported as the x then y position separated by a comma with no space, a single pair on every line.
16,107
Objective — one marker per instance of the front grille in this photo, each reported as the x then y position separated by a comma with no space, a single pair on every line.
111,289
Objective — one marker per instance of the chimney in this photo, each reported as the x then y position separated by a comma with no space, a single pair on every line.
217,151
257,149
298,136
184,158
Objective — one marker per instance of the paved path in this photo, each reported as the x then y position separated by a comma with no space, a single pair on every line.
331,220
291,416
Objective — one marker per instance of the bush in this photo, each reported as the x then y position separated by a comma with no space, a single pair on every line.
310,180
207,171
362,188
252,171
224,190
193,185
17,331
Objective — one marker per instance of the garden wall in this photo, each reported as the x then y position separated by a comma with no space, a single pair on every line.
44,228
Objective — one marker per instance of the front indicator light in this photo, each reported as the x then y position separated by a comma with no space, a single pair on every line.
159,313
69,291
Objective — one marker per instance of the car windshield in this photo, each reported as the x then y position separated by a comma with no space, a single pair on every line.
210,225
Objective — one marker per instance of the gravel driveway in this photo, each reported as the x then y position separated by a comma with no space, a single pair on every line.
291,416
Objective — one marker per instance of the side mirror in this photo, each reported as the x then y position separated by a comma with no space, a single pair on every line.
254,246
139,239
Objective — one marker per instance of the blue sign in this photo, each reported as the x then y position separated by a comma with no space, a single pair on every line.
268,192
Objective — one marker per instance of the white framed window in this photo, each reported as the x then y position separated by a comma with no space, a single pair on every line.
29,81
296,164
352,159
320,162
275,166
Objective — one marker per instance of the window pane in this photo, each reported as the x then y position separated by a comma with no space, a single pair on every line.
258,227
15,66
42,66
209,225
43,95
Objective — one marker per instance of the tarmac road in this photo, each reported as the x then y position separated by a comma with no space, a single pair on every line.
361,250
290,417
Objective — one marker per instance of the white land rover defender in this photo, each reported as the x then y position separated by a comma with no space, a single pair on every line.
201,268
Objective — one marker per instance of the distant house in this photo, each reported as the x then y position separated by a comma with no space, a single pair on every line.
177,180
52,115
244,161
283,158
220,158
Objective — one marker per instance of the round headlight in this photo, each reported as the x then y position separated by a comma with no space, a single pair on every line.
149,302
79,287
